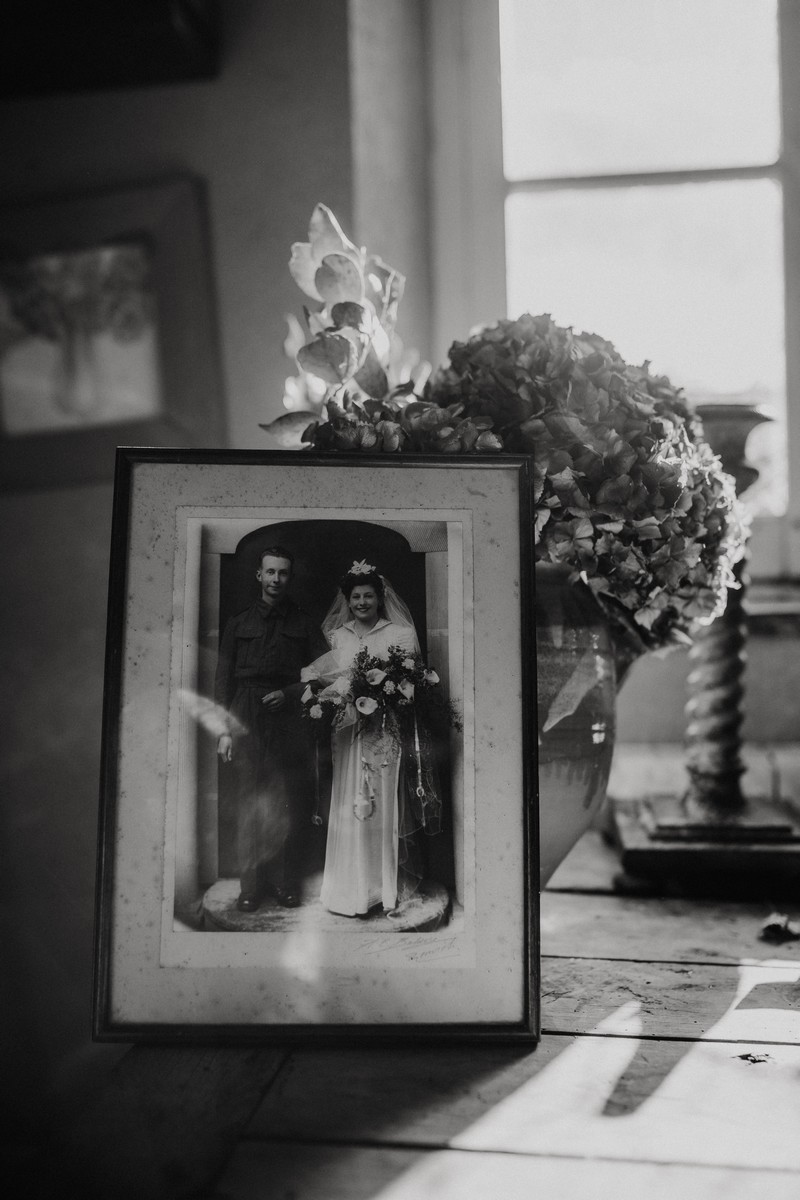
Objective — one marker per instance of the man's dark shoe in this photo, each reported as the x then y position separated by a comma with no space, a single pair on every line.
286,897
248,902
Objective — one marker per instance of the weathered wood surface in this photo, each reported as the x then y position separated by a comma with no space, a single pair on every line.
697,1103
419,1094
675,1000
262,1171
663,930
669,1067
165,1123
717,1104
274,1171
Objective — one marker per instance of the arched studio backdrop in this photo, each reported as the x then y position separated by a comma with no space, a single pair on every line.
323,551
412,554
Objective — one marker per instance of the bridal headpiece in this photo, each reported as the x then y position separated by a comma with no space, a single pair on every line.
362,568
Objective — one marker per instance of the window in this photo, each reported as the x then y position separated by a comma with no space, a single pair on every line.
632,183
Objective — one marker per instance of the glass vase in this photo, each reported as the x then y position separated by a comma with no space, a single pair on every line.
579,668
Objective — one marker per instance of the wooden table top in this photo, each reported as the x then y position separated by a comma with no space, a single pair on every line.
669,1066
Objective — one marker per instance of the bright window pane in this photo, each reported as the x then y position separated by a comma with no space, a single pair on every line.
597,87
689,277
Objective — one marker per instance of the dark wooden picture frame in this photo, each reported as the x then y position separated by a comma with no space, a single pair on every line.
166,221
175,958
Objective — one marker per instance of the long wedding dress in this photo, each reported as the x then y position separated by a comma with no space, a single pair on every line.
361,856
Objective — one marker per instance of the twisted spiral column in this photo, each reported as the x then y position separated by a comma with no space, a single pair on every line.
713,837
714,714
714,708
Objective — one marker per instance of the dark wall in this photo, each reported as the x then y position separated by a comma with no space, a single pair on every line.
270,137
54,549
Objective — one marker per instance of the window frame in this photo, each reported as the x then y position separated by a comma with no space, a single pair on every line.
468,191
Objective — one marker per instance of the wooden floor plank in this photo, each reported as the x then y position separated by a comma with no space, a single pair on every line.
698,1103
450,1175
676,1000
417,1094
669,1067
166,1120
269,1171
666,930
275,1171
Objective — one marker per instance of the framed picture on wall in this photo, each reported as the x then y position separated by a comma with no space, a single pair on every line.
107,332
318,805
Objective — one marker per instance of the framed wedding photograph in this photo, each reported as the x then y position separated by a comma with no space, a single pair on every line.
318,796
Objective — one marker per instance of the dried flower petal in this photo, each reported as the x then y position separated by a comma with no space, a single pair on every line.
331,356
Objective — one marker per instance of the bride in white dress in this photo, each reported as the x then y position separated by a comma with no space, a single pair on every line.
370,829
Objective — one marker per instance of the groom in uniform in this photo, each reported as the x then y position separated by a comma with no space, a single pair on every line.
262,652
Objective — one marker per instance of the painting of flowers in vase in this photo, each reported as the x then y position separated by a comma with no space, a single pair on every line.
78,339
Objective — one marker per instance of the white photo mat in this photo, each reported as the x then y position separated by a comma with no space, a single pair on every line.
155,972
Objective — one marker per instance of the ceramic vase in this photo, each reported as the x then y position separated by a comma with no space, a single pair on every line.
580,665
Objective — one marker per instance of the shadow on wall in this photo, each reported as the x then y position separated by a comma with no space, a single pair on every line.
54,549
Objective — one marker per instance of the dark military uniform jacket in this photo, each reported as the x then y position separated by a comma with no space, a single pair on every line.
263,649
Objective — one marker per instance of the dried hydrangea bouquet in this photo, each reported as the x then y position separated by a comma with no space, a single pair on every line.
637,525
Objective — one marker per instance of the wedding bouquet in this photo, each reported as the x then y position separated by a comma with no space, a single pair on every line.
378,693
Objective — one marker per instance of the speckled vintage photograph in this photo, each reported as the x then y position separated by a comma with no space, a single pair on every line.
321,680
327,694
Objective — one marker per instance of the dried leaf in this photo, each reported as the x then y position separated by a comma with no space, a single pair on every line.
348,312
371,376
326,236
288,429
367,438
488,443
390,434
338,279
303,268
330,356
384,286
541,517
